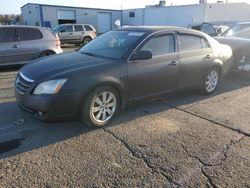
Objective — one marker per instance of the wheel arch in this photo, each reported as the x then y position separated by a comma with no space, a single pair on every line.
116,85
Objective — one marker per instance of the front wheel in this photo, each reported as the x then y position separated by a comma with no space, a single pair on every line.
211,81
100,107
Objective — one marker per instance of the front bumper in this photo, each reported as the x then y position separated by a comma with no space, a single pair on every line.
49,107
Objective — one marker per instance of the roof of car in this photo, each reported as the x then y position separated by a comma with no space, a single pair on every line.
22,26
153,29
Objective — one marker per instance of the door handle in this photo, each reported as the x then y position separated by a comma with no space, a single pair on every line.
71,33
207,57
15,46
173,63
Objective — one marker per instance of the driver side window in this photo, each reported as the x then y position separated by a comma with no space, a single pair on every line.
160,45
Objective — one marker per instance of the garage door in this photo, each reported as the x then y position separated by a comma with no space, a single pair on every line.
66,16
104,22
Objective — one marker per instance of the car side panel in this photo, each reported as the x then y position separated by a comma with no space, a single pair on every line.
194,64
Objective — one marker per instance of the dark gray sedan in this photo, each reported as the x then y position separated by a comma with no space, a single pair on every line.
118,68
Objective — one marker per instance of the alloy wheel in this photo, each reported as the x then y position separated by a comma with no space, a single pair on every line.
103,107
212,81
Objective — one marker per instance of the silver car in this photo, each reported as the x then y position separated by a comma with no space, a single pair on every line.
20,44
78,34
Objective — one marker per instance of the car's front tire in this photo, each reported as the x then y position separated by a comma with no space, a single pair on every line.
211,81
100,107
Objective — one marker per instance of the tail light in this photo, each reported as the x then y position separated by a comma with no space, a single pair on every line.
58,42
94,33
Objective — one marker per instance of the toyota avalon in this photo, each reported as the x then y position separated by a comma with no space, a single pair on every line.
119,68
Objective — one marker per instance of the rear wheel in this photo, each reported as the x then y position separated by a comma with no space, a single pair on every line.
46,53
100,107
211,81
86,40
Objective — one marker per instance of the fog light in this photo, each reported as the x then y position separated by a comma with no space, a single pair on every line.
40,113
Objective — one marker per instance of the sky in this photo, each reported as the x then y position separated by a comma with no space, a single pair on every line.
13,6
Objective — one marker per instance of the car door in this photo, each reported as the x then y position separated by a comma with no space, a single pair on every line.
7,46
28,41
66,34
195,58
157,75
79,32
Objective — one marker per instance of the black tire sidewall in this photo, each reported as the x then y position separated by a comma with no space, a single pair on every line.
86,38
86,116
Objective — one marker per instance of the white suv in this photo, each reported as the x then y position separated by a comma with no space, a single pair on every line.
78,34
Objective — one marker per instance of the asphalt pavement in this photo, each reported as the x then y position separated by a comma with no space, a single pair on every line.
182,140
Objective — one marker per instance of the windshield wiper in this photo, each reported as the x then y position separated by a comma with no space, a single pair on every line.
88,53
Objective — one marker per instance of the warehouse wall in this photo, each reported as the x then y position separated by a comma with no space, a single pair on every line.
137,20
175,15
31,15
232,12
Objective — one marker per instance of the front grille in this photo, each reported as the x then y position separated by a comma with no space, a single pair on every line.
22,83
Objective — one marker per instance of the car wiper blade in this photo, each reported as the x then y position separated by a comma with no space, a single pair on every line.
88,53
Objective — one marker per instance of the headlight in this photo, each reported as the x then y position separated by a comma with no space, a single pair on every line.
49,87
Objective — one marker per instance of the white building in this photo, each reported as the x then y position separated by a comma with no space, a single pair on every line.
104,19
186,15
52,15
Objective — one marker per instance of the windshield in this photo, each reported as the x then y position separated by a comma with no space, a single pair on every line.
113,44
57,28
238,30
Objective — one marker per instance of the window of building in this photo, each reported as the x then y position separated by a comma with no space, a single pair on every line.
160,45
7,35
131,14
28,34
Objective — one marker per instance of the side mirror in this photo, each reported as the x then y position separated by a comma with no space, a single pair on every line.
142,55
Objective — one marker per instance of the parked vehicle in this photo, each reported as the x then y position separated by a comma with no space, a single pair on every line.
210,29
78,34
20,44
119,68
238,37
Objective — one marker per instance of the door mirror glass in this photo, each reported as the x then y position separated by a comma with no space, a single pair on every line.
142,55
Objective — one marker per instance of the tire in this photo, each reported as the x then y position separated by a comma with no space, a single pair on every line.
97,111
211,81
46,53
86,40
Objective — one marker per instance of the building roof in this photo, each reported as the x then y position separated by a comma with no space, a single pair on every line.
61,6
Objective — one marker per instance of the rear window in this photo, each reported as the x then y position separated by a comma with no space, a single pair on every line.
88,28
7,35
190,42
25,34
78,28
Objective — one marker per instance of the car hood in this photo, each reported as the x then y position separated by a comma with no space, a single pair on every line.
57,65
235,43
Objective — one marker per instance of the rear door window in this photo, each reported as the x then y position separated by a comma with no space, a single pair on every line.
160,45
25,34
190,42
88,28
7,35
78,28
